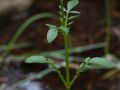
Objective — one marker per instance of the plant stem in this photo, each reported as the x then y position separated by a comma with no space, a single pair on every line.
58,72
68,88
108,22
67,61
64,23
62,10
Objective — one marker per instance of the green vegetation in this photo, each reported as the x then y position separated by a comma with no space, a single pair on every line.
24,27
66,17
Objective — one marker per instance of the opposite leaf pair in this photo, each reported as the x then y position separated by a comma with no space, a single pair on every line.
65,20
96,61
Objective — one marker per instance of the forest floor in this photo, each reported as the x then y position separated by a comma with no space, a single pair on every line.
89,29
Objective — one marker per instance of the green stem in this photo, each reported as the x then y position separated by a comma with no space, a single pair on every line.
62,10
68,88
67,61
75,77
58,72
108,22
64,23
77,73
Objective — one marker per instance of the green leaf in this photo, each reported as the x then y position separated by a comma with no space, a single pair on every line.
84,67
53,67
87,60
70,23
75,12
71,4
36,59
73,17
60,13
52,34
63,8
50,26
99,61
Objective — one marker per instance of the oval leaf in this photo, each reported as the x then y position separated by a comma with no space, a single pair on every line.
52,34
36,59
71,4
99,61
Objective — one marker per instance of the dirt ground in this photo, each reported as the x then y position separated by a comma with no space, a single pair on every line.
89,28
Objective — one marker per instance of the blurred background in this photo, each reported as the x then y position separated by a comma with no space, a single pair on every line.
20,38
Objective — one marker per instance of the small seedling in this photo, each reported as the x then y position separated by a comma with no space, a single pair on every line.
66,17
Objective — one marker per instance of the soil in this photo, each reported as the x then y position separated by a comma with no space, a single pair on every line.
88,29
89,80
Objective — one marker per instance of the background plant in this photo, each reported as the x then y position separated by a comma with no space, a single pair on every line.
24,27
108,29
66,17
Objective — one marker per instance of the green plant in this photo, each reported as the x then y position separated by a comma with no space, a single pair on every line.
24,27
66,16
